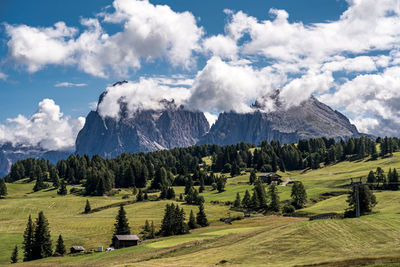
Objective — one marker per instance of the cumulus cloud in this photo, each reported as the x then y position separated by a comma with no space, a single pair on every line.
373,100
68,84
144,94
149,32
47,128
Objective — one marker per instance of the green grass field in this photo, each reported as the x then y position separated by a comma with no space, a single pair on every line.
260,240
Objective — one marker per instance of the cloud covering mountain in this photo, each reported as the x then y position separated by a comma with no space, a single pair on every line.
351,63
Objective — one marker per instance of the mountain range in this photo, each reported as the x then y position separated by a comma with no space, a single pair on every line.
175,126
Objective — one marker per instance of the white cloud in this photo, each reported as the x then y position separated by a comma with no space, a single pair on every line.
3,76
48,128
68,84
149,32
142,95
221,46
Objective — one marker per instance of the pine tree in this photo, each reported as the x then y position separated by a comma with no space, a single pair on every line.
3,188
62,191
39,185
201,188
146,196
237,203
60,248
260,195
246,202
139,196
394,180
253,177
134,190
14,255
29,240
298,195
87,207
371,177
42,245
367,201
201,217
152,231
170,193
221,184
274,199
121,225
192,220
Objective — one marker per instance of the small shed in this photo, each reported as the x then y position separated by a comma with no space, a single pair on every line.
124,241
76,249
270,177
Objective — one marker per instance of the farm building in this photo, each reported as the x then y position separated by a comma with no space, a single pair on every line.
270,177
76,249
123,241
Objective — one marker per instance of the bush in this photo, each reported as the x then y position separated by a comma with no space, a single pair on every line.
288,209
77,191
125,196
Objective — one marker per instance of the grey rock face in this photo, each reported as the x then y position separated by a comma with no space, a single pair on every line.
144,131
311,119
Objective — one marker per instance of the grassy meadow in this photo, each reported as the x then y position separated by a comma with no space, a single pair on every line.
255,241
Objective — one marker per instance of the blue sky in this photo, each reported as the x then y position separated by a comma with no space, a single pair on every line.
22,91
210,55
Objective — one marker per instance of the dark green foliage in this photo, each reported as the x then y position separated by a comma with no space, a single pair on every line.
259,198
60,247
134,190
192,221
39,185
274,204
121,226
237,203
42,245
393,180
87,207
160,179
201,217
371,177
14,255
29,240
193,198
235,170
148,230
246,202
146,196
167,193
173,222
298,195
139,196
253,177
221,184
63,188
367,201
3,188
288,209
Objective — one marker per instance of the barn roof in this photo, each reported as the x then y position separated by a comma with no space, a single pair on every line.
78,247
127,237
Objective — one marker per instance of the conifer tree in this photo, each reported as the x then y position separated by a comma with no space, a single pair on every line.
274,199
237,203
3,188
246,202
173,222
121,226
394,180
201,217
201,188
259,195
60,247
14,255
367,201
170,193
371,177
62,191
253,177
221,181
192,220
298,195
139,196
39,185
87,207
146,196
42,245
29,240
152,230
134,190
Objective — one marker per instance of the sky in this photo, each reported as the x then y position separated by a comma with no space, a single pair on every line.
57,57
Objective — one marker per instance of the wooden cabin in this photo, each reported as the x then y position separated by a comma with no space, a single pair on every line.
270,177
124,241
77,249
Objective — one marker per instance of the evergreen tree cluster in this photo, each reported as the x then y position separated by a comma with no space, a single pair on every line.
380,180
260,200
3,188
37,240
173,222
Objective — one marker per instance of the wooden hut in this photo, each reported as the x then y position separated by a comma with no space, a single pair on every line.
76,249
124,241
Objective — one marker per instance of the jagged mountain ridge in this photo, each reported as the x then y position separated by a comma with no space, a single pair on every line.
142,131
311,119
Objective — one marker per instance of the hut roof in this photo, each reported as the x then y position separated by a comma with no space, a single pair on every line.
78,248
127,237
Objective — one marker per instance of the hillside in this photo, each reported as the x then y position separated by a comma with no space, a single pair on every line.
266,240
